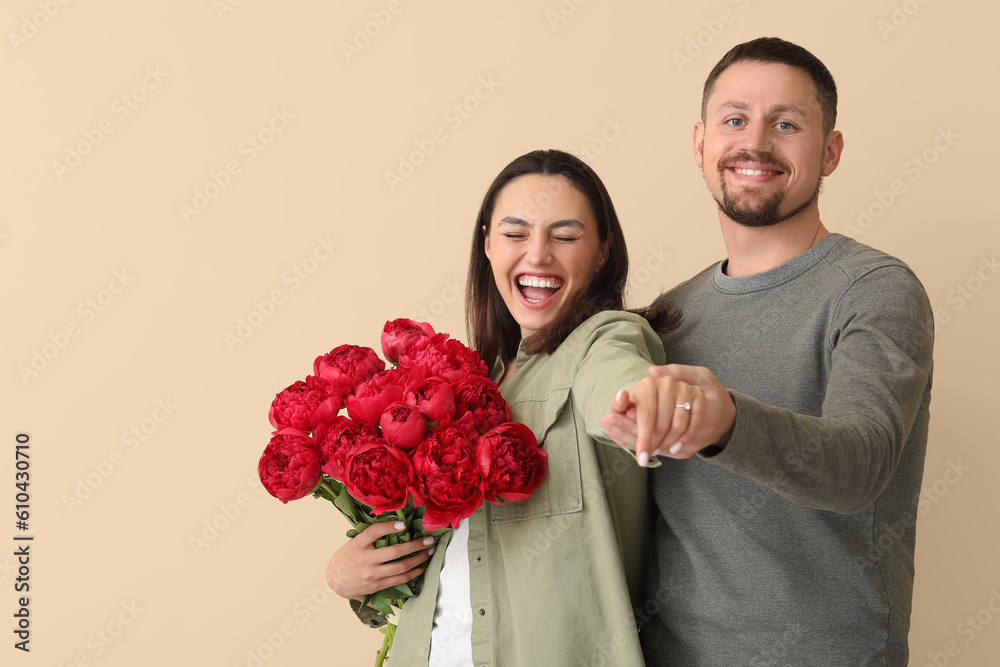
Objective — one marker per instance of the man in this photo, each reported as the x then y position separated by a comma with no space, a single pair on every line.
788,504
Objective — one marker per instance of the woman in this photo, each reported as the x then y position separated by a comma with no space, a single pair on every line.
545,581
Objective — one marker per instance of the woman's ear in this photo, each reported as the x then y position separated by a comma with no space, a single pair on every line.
486,242
604,252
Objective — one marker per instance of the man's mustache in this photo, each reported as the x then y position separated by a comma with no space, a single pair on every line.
759,157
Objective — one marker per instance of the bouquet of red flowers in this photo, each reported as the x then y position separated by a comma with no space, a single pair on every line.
424,442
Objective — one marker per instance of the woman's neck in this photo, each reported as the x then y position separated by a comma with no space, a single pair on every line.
508,370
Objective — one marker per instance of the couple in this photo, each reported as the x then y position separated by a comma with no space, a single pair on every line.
786,438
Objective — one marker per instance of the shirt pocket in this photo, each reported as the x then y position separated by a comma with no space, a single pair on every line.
553,421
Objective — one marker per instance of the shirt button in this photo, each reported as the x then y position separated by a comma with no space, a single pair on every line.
482,612
479,559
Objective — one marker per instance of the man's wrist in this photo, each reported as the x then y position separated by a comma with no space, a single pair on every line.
716,447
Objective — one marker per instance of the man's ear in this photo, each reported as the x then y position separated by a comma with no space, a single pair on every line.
699,144
832,152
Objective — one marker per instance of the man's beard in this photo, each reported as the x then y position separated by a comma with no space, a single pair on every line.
743,211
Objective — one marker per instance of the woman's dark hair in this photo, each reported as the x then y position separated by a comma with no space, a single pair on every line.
492,329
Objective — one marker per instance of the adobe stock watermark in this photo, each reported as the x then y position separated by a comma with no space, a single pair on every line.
452,292
302,611
603,651
454,117
914,167
131,439
655,260
295,276
101,639
214,526
562,12
223,7
370,30
966,291
229,511
777,652
121,108
898,17
933,492
88,309
598,145
970,628
900,532
248,150
713,28
32,24
614,465
7,569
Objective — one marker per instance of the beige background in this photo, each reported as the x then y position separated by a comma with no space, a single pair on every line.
117,546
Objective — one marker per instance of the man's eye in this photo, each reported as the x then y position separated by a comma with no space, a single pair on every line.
785,125
735,122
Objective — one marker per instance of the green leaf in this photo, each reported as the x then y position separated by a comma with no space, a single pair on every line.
348,508
402,589
380,602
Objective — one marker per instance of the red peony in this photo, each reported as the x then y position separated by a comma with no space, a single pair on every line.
447,478
434,397
302,405
403,425
399,335
511,462
347,366
289,466
338,439
371,398
445,357
379,476
480,397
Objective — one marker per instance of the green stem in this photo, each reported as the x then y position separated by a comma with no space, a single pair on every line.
324,490
326,486
390,634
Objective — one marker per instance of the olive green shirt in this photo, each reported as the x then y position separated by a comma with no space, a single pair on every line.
550,577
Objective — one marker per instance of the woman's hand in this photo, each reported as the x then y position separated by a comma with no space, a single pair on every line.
677,411
358,568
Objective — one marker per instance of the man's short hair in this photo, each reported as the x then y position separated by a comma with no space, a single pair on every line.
776,50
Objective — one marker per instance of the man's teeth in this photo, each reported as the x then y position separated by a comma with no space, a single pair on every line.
754,172
528,281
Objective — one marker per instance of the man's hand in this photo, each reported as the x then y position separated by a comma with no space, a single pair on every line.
652,421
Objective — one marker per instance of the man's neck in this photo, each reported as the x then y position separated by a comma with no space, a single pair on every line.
757,249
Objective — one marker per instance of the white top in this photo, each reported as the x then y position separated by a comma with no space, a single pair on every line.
451,637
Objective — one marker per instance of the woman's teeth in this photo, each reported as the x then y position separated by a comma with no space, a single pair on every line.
528,281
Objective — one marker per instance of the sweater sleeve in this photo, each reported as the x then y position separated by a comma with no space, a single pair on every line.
879,349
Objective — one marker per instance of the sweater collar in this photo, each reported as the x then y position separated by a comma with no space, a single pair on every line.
790,270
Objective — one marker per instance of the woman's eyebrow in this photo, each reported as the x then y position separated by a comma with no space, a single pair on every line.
558,224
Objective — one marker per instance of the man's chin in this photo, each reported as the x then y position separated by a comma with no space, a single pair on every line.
764,215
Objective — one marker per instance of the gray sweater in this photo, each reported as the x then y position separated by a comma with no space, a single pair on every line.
794,544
